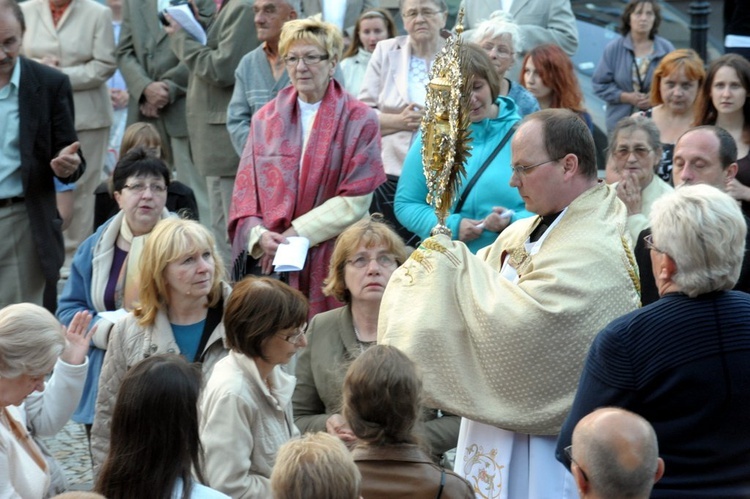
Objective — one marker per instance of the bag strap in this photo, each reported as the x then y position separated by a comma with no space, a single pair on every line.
213,319
442,484
481,170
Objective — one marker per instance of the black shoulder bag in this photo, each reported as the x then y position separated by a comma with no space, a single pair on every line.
481,170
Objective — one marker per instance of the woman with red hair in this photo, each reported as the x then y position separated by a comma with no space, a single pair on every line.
548,74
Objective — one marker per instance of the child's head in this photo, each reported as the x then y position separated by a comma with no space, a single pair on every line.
144,135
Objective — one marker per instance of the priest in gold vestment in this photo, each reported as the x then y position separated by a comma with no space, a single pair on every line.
501,336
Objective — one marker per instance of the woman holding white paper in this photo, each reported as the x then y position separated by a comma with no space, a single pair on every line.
310,165
179,310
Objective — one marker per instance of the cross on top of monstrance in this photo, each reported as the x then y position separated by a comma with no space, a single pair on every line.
445,128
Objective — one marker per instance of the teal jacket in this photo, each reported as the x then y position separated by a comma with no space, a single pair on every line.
492,189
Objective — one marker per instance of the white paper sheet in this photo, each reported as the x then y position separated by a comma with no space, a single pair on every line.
183,16
291,257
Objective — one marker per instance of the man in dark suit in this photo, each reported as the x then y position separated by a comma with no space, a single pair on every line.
37,142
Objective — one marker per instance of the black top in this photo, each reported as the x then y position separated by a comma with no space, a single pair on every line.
684,365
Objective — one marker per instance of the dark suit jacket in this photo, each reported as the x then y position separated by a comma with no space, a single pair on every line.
45,106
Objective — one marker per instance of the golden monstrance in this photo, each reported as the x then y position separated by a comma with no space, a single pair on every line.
445,129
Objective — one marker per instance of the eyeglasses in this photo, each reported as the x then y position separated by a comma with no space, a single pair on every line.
141,188
425,13
309,60
294,338
521,170
384,260
500,50
569,454
649,240
625,152
10,46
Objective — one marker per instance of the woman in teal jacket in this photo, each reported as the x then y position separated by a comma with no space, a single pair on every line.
492,204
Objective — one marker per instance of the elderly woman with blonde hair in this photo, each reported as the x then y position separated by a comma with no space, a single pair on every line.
179,310
32,344
310,165
690,345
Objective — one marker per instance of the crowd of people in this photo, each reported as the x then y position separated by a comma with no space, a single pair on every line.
580,332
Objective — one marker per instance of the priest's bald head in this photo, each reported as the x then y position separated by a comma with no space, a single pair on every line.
554,160
615,455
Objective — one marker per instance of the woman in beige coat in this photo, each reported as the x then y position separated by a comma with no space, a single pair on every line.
76,37
181,303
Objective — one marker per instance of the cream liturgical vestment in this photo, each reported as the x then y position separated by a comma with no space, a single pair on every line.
506,349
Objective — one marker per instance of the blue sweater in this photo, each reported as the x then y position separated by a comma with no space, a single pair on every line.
492,189
76,296
684,365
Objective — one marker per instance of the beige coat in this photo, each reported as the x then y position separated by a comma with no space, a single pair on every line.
84,43
130,343
144,56
243,424
231,35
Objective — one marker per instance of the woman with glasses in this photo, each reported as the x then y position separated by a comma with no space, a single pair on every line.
179,310
635,154
104,273
681,362
365,256
395,85
310,166
501,38
246,407
623,76
484,210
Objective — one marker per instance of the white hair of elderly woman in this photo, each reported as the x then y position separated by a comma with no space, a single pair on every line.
31,340
500,23
703,231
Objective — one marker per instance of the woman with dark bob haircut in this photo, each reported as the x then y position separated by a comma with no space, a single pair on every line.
246,409
104,273
155,448
382,403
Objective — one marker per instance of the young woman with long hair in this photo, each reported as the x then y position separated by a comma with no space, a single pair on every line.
547,72
155,446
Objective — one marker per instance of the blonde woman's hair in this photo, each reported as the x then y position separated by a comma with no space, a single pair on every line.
311,30
172,239
315,466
